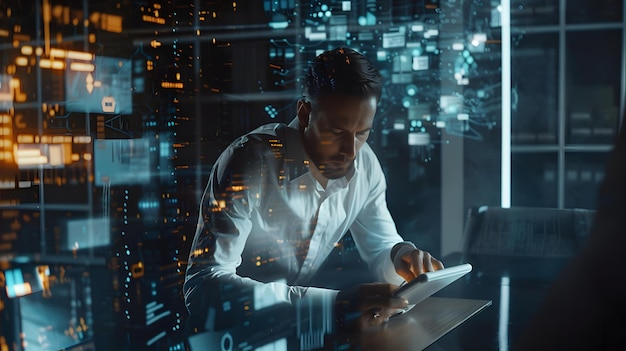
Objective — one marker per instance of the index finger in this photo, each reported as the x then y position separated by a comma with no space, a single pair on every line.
437,265
420,262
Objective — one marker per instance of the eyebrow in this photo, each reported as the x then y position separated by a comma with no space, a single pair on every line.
358,131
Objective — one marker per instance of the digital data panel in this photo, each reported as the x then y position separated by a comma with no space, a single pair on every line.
106,89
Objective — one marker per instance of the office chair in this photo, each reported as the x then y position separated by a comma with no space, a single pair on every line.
527,242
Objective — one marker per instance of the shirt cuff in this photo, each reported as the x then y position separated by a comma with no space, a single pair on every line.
401,248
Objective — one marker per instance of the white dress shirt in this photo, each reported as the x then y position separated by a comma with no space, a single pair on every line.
266,222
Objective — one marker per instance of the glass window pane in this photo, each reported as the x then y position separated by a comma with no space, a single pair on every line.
585,11
584,173
534,180
534,80
534,64
534,12
593,86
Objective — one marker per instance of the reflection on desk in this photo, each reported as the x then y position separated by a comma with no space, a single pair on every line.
415,330
516,294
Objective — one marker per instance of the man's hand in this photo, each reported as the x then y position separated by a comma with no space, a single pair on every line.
410,262
366,305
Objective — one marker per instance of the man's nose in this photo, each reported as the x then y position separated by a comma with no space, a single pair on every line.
348,146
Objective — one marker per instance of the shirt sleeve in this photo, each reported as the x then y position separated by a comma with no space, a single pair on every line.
374,230
232,193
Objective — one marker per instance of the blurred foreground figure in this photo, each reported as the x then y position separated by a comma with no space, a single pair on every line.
586,306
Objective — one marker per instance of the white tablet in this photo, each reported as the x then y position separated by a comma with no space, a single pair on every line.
429,283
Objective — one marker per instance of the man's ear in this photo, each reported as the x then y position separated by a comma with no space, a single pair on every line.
304,112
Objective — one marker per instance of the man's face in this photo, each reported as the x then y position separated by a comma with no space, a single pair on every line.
334,129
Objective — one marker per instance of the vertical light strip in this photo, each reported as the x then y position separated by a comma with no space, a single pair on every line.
503,316
561,106
505,22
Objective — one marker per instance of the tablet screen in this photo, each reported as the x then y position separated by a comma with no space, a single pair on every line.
429,283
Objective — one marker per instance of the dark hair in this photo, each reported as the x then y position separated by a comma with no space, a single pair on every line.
342,71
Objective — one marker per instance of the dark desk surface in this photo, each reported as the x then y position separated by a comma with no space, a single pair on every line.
415,330
516,286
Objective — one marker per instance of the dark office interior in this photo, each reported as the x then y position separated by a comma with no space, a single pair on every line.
494,129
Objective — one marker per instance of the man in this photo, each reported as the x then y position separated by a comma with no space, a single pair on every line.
279,199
